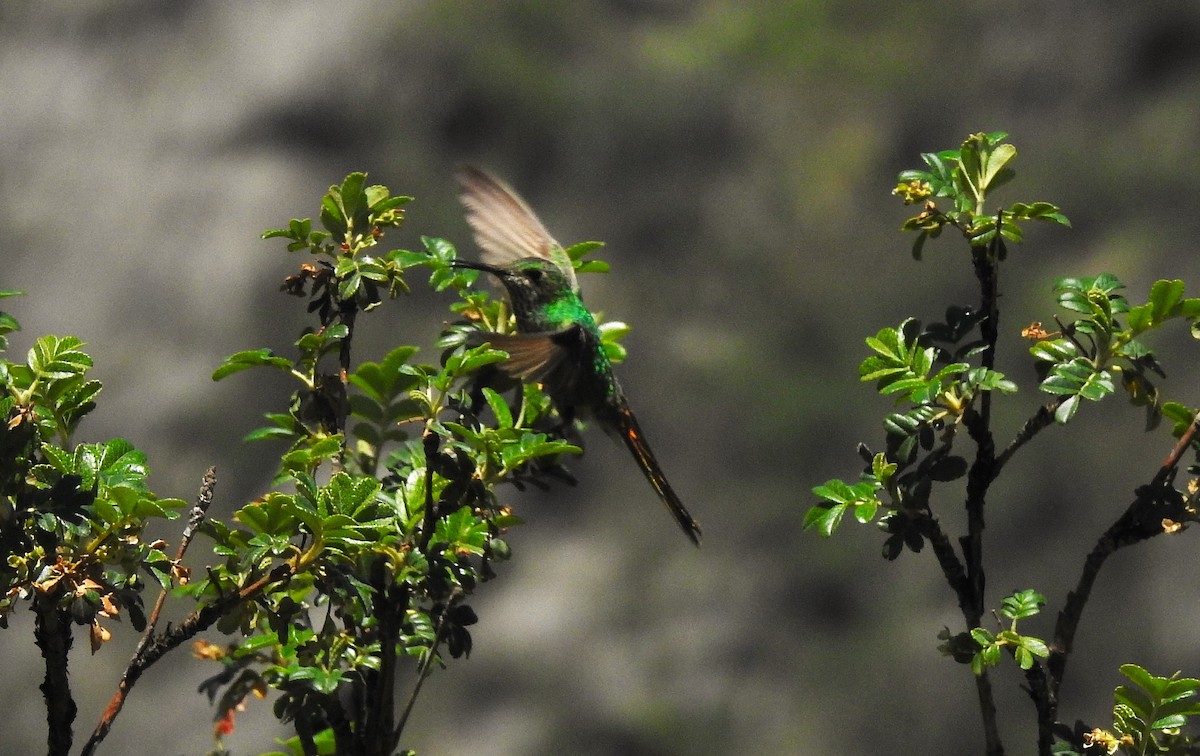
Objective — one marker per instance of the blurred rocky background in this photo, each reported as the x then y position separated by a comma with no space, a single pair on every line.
737,157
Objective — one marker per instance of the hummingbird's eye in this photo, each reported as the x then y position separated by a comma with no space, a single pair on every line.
534,275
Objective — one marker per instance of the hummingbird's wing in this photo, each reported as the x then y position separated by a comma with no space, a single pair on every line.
505,227
547,358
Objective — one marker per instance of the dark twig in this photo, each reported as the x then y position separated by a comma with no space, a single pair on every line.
948,559
195,518
380,729
339,722
979,480
1167,469
198,513
1044,704
979,423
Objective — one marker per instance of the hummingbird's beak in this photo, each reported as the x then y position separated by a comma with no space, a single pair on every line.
495,271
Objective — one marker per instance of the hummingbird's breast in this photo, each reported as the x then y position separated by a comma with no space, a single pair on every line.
564,312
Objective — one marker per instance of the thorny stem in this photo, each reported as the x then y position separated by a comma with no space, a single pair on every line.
343,731
380,729
348,311
948,559
979,424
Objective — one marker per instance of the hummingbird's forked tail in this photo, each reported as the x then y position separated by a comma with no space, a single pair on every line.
631,434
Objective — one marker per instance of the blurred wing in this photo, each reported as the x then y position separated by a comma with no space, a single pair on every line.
549,358
505,227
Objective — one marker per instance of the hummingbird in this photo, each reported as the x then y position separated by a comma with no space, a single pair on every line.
557,342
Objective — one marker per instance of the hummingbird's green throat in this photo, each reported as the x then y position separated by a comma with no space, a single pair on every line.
558,343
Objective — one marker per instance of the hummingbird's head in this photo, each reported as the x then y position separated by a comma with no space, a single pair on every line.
531,282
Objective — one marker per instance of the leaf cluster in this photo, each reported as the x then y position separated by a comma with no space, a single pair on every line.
985,648
1079,361
354,217
1149,717
962,179
920,368
72,517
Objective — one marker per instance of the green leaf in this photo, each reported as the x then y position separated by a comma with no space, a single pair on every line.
473,359
888,344
353,198
861,496
865,511
613,330
983,637
380,202
996,161
1066,410
1077,378
1035,646
899,366
251,358
1022,604
463,531
438,249
54,357
1181,415
332,217
1166,302
987,657
1153,704
824,519
577,251
499,407
1165,296
382,381
592,266
326,681
835,491
1055,350
8,323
